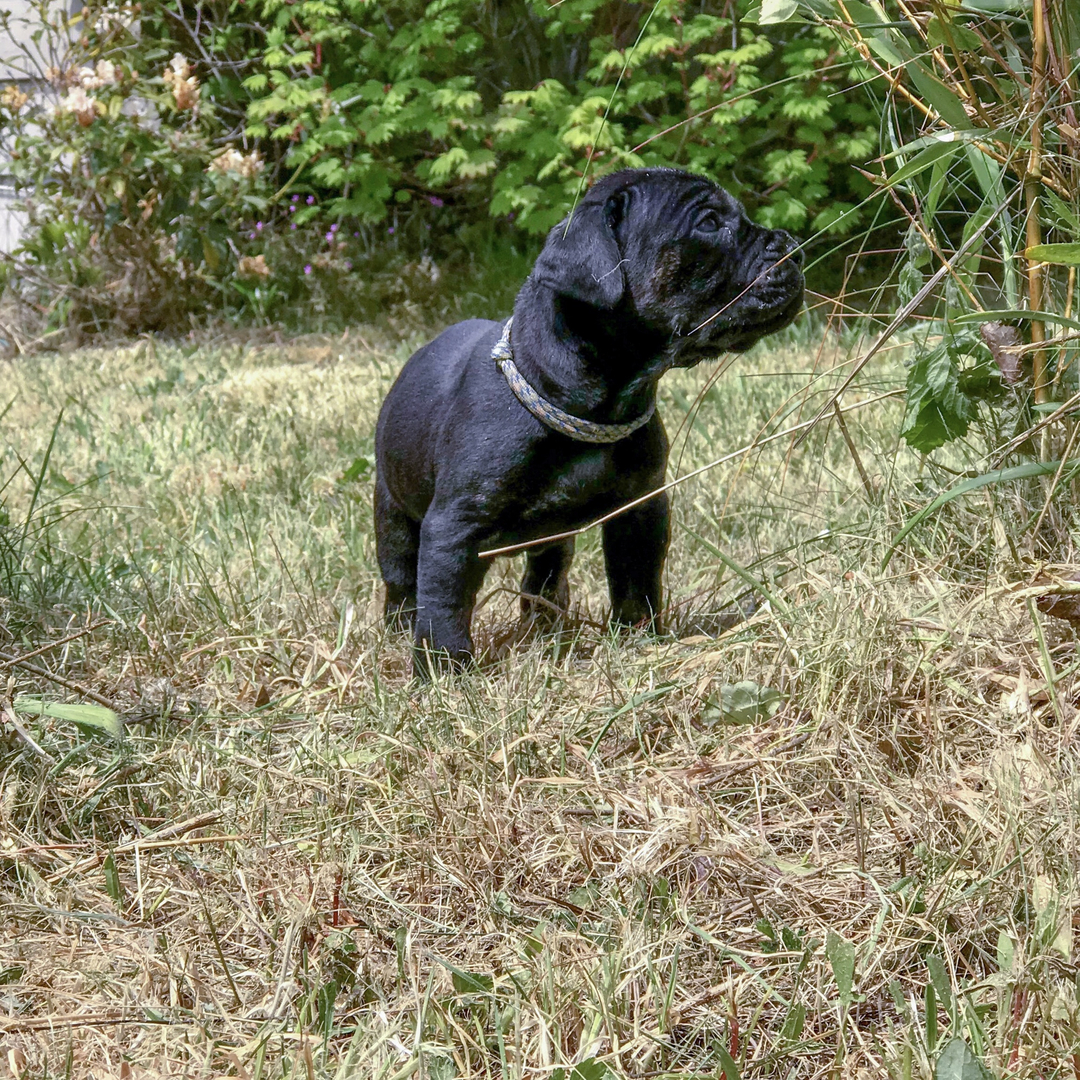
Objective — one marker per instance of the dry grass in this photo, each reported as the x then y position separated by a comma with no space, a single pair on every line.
297,864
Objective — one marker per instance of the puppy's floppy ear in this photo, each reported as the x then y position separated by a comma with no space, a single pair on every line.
583,260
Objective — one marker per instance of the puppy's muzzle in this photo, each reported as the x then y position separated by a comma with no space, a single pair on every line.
782,259
775,280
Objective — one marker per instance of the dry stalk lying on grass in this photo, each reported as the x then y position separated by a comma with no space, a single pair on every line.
822,840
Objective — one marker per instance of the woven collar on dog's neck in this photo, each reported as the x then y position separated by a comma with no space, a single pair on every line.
551,415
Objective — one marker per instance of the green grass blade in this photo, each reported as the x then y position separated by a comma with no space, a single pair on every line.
999,476
1007,314
727,1064
90,719
841,954
922,161
1058,254
740,572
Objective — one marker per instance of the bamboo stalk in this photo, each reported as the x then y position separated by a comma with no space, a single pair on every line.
1032,183
1063,349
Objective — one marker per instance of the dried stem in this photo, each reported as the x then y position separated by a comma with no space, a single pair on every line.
1032,183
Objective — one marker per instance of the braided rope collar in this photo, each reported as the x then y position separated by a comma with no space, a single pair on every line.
551,415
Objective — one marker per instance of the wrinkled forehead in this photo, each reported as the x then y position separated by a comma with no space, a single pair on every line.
665,193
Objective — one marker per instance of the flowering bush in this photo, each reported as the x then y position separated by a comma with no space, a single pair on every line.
132,203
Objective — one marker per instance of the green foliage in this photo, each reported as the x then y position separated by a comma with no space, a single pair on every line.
841,954
745,702
957,1062
946,386
962,86
388,106
93,720
170,167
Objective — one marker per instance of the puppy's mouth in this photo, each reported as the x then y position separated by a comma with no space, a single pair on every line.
756,316
764,306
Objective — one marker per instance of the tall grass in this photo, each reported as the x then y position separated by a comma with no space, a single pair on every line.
982,159
828,834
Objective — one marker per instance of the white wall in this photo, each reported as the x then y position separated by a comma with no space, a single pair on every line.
13,69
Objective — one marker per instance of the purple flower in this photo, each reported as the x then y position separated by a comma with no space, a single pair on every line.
435,200
251,236
356,234
292,209
334,227
294,198
348,264
391,230
307,269
259,225
329,237
310,199
292,225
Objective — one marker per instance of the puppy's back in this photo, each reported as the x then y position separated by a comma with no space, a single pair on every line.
423,401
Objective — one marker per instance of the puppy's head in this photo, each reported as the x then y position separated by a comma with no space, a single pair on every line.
675,255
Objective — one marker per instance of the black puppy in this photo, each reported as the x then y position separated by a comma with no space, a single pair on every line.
492,436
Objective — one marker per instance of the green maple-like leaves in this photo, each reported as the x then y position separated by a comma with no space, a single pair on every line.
945,388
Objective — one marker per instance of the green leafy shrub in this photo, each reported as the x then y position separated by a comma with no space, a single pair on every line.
202,168
391,105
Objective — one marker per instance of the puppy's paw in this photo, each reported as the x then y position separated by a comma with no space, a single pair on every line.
430,663
645,621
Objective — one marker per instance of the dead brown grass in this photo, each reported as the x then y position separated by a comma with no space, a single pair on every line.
298,864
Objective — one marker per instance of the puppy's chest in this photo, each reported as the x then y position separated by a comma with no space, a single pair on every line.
573,491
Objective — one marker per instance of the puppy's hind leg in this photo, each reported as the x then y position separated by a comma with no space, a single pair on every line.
397,546
545,588
635,546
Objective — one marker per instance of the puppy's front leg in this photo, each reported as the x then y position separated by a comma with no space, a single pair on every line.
449,575
635,546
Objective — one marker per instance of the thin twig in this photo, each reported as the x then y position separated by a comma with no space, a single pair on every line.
190,824
143,845
853,451
77,688
70,1020
756,444
49,646
218,949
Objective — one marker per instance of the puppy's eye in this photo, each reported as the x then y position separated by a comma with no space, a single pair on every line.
709,222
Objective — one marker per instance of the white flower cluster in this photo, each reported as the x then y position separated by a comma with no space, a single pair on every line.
94,78
185,85
247,166
78,101
84,106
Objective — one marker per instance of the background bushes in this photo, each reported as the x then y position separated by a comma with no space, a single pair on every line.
228,157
